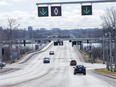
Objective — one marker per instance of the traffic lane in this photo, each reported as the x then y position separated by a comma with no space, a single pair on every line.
62,61
109,80
32,61
56,78
63,77
29,55
88,80
35,56
24,73
61,66
46,80
25,76
84,80
72,80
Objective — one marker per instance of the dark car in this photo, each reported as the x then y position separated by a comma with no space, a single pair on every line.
51,53
2,64
79,69
46,60
73,63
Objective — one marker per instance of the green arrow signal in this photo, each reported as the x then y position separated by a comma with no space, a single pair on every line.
43,12
86,10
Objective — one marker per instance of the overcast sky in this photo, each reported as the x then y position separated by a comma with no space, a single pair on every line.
25,12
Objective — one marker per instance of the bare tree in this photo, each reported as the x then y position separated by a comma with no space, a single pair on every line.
12,23
2,35
109,25
109,19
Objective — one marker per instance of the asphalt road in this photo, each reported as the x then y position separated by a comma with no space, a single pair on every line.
58,73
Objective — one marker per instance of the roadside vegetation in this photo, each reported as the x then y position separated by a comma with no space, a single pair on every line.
96,55
105,71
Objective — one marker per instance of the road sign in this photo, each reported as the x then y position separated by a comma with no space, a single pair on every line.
42,11
56,11
86,10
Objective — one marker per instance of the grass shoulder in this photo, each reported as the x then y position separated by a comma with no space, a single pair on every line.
105,71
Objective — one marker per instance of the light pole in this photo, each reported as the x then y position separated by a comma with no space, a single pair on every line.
107,53
11,40
110,49
1,54
114,28
103,50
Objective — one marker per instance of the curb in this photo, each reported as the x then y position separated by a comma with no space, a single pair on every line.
113,77
7,70
77,50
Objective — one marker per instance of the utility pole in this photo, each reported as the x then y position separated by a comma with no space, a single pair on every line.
1,54
11,43
110,49
90,49
115,47
107,54
103,51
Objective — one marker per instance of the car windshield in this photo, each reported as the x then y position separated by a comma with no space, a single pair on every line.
51,51
46,58
80,66
73,60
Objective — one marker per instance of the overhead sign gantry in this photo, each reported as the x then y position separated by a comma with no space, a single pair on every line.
57,11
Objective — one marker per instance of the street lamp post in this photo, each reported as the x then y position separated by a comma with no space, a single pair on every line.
1,54
11,51
114,28
110,49
108,52
103,50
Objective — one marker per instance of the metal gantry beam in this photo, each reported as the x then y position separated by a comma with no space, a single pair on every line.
75,2
59,38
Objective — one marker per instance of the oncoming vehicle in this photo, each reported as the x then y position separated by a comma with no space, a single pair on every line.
46,60
73,63
79,69
51,53
2,64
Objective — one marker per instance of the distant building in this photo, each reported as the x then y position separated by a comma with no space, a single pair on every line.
30,32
